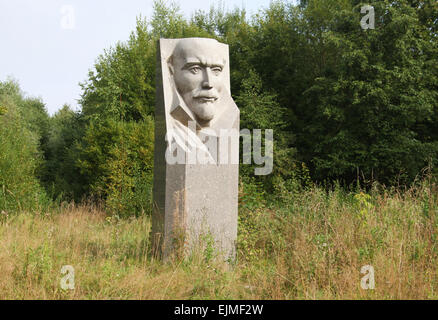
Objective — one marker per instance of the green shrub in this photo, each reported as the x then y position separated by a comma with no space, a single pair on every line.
20,157
118,156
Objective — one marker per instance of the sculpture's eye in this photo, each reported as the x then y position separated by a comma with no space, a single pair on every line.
216,70
195,69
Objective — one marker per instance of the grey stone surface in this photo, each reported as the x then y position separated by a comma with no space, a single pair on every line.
196,170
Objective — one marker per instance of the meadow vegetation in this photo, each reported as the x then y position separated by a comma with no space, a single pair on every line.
310,245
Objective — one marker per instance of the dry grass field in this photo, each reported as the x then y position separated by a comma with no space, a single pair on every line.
311,246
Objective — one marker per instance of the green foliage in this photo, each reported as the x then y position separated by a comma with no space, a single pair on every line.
117,157
364,206
374,103
20,157
61,175
286,190
167,20
260,110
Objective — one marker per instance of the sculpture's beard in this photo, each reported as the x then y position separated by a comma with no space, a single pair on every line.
203,103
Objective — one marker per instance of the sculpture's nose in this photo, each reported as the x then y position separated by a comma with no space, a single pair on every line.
207,84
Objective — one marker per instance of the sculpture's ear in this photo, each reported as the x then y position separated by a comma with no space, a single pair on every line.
170,65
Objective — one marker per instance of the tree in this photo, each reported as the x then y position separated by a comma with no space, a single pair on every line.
61,176
20,156
368,109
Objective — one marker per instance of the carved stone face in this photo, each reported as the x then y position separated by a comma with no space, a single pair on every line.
197,70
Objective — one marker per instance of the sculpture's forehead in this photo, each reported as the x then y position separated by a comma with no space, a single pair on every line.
206,52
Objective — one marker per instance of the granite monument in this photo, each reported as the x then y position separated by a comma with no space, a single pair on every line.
196,148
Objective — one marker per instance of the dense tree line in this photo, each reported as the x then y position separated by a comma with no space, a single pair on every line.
345,103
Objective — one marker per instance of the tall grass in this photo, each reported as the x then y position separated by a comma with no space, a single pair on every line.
311,246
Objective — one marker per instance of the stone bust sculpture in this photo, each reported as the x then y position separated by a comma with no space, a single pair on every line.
198,73
197,70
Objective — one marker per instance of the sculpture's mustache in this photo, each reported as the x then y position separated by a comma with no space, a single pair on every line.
210,95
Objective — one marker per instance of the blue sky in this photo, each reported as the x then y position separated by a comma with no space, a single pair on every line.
49,45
